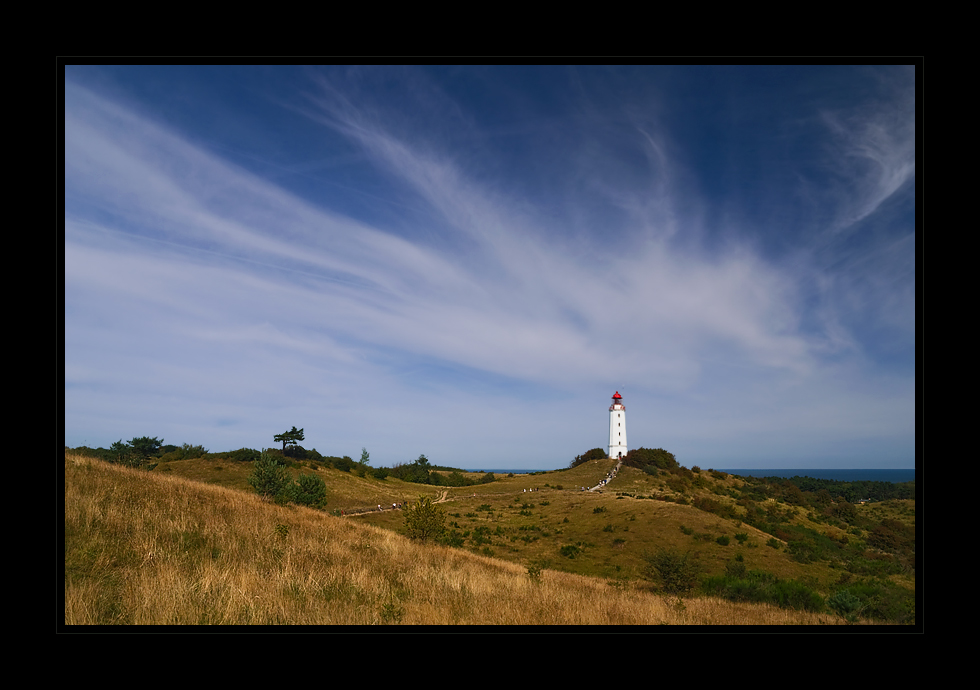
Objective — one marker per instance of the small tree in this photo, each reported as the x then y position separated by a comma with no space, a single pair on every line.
144,447
120,451
291,437
845,605
424,520
365,456
268,478
310,491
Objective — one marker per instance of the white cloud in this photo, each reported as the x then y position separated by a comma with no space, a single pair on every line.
189,279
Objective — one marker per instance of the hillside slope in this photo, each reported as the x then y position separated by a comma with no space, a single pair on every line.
150,549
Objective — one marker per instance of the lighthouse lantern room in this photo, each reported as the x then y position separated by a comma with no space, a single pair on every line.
617,427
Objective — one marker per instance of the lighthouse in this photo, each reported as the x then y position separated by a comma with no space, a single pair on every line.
617,427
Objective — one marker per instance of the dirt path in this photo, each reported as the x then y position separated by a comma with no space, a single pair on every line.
609,477
444,498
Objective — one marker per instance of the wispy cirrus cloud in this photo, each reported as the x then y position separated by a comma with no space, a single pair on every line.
191,277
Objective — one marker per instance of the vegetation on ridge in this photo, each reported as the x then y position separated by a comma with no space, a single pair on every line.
154,549
747,540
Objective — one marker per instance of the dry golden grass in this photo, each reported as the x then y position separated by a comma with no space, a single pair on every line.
150,549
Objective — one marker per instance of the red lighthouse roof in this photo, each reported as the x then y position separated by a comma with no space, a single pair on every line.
617,396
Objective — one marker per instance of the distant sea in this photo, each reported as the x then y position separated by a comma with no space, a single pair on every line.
894,476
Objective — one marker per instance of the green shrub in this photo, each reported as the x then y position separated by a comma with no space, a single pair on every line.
845,605
802,551
452,538
594,454
391,613
268,478
658,457
310,491
424,520
723,540
796,595
677,573
759,586
735,569
244,455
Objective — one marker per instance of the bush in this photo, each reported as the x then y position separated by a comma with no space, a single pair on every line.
268,478
295,451
244,455
310,491
796,595
452,538
740,585
735,569
424,521
675,572
802,551
658,457
594,454
845,605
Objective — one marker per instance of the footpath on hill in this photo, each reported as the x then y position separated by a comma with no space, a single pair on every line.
610,475
444,498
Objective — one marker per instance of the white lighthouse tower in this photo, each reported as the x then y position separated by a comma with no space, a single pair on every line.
617,427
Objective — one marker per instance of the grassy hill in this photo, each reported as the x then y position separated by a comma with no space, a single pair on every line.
188,544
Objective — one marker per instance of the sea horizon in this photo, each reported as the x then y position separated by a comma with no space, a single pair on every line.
850,474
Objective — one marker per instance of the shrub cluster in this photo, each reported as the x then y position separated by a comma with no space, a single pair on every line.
739,584
270,479
594,454
421,471
657,457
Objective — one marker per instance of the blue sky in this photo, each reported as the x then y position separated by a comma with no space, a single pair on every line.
467,262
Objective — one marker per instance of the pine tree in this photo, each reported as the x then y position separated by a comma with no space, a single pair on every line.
425,520
268,478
